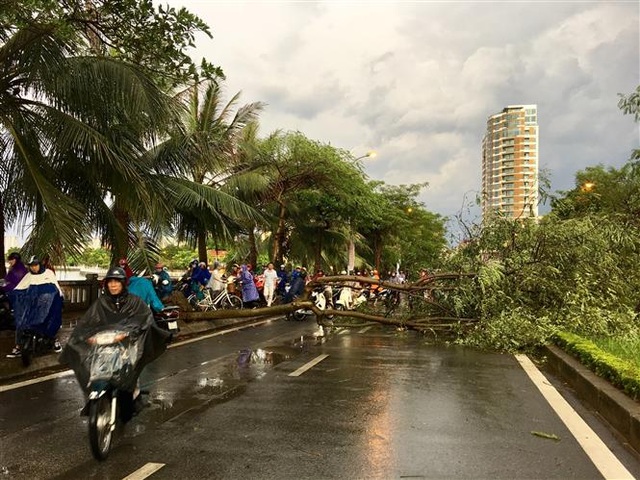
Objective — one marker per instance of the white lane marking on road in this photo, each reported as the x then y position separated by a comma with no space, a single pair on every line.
25,383
215,334
604,460
365,329
344,331
145,471
308,365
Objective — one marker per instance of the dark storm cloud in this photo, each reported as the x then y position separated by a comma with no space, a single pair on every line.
417,81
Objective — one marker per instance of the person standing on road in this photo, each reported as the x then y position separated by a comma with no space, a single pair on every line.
270,283
250,293
216,282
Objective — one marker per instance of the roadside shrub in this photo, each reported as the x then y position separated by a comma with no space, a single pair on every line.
620,373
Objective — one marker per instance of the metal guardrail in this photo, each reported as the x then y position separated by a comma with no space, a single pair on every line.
80,294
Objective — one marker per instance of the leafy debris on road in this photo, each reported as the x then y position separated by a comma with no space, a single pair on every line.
550,436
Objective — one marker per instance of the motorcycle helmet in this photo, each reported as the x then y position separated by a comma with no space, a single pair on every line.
33,260
116,273
14,256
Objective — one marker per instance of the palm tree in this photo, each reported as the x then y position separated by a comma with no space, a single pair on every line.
208,141
74,129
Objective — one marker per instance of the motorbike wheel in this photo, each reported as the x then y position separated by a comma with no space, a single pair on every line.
232,303
27,347
100,432
299,315
193,302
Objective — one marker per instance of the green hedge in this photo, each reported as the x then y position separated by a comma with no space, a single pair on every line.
620,373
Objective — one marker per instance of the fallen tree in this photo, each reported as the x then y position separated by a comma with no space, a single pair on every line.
390,314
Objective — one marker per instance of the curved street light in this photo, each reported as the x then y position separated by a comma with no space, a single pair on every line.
369,154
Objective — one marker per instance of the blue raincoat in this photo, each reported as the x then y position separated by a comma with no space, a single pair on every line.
143,288
37,304
249,289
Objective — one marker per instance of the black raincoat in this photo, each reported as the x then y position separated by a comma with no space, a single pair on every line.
145,343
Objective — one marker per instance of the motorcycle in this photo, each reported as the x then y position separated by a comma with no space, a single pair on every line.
320,301
385,297
107,354
167,319
111,356
32,343
343,298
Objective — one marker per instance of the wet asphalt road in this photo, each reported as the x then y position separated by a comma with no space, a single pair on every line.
382,404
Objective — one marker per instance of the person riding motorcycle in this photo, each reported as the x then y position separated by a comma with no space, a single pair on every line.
17,270
297,286
37,305
162,281
199,279
117,307
143,288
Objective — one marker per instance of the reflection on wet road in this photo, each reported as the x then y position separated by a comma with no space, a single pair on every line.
379,404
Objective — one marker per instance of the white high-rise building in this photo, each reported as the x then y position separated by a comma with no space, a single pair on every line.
510,163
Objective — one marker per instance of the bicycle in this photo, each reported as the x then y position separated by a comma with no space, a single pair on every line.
223,300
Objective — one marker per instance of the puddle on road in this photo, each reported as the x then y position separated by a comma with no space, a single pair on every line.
217,383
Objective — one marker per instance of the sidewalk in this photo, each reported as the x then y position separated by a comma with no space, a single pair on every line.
11,369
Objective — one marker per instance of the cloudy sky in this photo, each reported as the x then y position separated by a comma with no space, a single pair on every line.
416,81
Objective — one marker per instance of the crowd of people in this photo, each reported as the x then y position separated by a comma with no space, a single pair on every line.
24,283
269,285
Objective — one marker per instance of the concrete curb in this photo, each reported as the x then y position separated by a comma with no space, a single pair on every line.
618,409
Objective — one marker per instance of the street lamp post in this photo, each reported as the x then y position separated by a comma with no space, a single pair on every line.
351,249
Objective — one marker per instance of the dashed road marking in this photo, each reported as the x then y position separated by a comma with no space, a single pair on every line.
365,329
604,460
25,383
308,365
145,471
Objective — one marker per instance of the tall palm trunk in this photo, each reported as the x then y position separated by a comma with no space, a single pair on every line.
3,268
280,236
377,251
253,249
120,248
201,240
317,264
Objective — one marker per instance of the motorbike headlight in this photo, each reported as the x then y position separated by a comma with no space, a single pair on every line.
108,337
